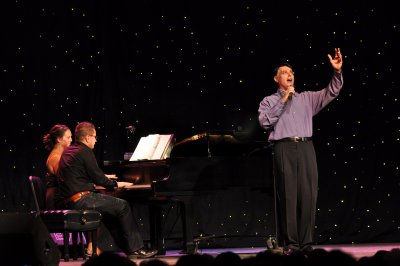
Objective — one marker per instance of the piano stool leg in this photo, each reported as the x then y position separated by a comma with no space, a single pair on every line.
94,242
74,245
81,244
66,245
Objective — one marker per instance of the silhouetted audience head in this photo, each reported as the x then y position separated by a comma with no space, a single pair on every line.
153,262
376,259
227,259
316,257
268,256
109,258
341,258
392,257
381,258
295,259
195,260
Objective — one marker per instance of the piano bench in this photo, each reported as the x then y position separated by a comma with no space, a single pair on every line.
76,222
156,208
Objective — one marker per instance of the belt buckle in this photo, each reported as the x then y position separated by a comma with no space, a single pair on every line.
297,139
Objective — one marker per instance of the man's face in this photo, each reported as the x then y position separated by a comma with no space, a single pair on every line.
284,77
92,139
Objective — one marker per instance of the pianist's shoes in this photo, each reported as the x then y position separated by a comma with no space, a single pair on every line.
142,253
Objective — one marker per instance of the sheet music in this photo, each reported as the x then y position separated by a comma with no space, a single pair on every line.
152,147
143,150
163,142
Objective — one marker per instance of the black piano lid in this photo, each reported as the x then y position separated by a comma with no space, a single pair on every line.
216,160
218,143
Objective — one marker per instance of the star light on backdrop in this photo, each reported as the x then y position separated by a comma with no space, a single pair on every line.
187,67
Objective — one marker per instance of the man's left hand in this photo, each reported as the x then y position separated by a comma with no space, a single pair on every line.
111,176
124,184
337,61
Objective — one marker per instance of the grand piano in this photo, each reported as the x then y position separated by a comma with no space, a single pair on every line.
202,173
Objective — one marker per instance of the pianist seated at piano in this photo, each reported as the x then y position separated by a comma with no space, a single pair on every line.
79,174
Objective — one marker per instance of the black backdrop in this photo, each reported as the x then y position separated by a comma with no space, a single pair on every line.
185,67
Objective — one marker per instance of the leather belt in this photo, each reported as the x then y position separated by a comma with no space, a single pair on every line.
77,196
294,139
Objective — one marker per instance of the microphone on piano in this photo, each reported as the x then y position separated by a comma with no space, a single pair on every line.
131,128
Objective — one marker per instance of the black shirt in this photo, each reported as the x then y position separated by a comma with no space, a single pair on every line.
78,171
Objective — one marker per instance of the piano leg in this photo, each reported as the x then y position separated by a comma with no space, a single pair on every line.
156,230
186,210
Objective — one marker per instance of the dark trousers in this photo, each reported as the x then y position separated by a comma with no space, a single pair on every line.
296,175
117,209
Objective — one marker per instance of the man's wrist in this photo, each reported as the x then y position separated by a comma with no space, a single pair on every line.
339,71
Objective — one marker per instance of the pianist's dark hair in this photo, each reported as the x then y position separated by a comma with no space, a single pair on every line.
83,129
281,65
55,132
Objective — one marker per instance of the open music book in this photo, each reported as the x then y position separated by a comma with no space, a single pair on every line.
153,147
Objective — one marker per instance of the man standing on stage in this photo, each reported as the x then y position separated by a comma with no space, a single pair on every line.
288,115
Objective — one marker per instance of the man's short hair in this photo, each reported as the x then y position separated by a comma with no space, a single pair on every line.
281,65
83,129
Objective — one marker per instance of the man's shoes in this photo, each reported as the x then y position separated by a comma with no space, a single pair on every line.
142,253
278,250
272,243
289,250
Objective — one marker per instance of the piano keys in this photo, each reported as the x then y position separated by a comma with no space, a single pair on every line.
138,172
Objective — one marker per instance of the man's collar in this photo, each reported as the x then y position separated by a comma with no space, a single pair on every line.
281,92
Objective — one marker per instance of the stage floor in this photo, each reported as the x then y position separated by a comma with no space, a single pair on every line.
356,250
